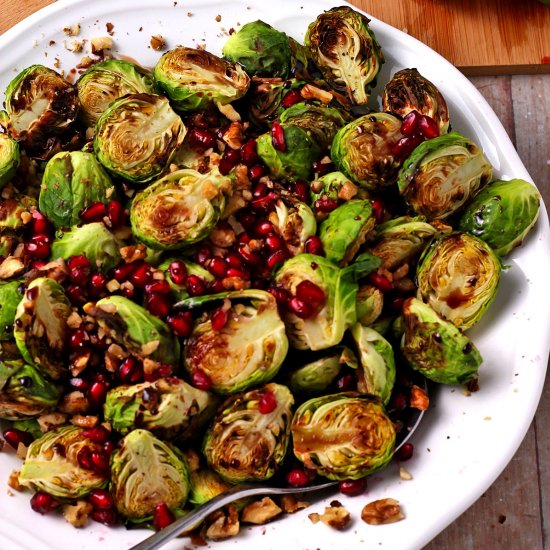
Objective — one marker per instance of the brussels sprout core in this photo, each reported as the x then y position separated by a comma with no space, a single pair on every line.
9,158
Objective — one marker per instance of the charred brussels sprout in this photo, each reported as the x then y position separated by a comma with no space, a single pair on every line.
108,80
137,136
332,186
409,91
247,351
346,51
14,213
93,240
297,158
179,209
502,214
346,229
363,150
52,464
40,327
11,293
169,407
458,276
193,79
436,347
264,97
72,181
370,301
9,158
246,443
144,472
295,223
260,49
205,485
343,436
442,174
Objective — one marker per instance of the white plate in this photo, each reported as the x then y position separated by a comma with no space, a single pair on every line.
464,442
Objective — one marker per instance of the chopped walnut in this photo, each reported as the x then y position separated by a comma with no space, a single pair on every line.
314,517
150,347
74,320
223,237
76,46
50,421
101,43
235,283
114,350
10,267
13,481
260,512
113,285
110,28
289,504
74,402
228,110
312,92
81,421
85,62
21,451
381,512
80,362
157,42
419,398
77,514
72,31
347,191
335,516
234,135
224,526
404,474
132,253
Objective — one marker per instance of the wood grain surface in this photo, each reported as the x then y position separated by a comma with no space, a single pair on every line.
515,512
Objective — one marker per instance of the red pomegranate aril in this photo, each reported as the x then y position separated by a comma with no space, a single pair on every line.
246,219
405,452
217,266
248,255
162,516
264,202
276,258
381,282
353,487
256,172
292,97
157,304
98,284
399,402
36,264
311,293
405,146
95,212
274,242
100,461
278,137
76,294
43,502
234,260
313,245
346,382
129,292
263,228
396,303
249,153
130,371
301,189
96,394
108,447
267,402
321,168
428,127
216,286
195,285
79,339
297,478
201,380
142,275
107,517
39,246
122,272
201,138
78,261
13,437
239,273
203,255
261,190
178,272
100,499
116,214
301,309
79,384
325,204
181,323
229,160
158,287
244,238
281,295
79,275
219,319
411,123
99,434
40,224
84,458
379,210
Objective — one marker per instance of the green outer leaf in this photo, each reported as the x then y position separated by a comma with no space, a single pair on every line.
9,158
315,377
205,485
10,296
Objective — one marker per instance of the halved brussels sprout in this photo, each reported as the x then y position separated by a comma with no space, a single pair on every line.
248,440
363,150
247,351
9,158
108,80
334,185
346,51
52,464
11,293
436,347
24,392
42,107
179,209
296,161
260,49
343,436
370,301
458,276
15,213
93,240
295,223
205,485
146,471
263,100
193,79
40,327
345,230
502,214
376,376
137,136
409,91
168,407
72,181
442,174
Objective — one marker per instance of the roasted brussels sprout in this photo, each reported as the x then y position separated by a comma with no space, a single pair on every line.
93,240
346,51
40,327
146,471
442,174
72,181
346,229
11,293
168,407
137,136
24,392
179,209
295,223
9,158
249,436
205,485
15,213
263,100
108,80
52,464
248,350
370,301
193,79
343,436
458,276
332,186
502,214
42,107
260,49
409,91
295,159
435,347
362,150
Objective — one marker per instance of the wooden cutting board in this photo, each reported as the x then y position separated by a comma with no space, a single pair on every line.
478,36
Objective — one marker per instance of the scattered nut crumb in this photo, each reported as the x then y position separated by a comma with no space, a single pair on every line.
314,517
335,516
22,451
157,42
381,512
72,31
13,481
473,385
289,504
77,514
405,474
82,421
218,18
76,46
101,43
419,398
110,28
190,14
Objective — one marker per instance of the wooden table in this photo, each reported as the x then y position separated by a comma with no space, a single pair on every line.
515,512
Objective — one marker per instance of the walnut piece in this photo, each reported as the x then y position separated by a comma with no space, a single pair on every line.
13,481
419,398
88,421
50,421
312,92
157,42
381,512
260,512
289,504
77,514
335,516
74,402
224,526
133,253
101,43
10,267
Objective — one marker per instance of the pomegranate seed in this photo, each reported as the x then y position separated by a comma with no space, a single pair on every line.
405,452
79,339
201,139
277,257
36,264
96,394
274,242
130,371
203,255
346,382
410,124
181,323
97,286
100,499
116,214
256,172
108,448
76,294
157,304
201,380
353,487
234,260
325,204
158,287
122,272
249,153
229,160
13,437
195,285
297,478
264,202
99,434
247,219
39,246
239,273
379,210
249,257
84,458
95,212
396,303
43,502
217,266
292,97
278,137
321,168
142,275
309,292
178,272
244,238
79,384
381,282
399,402
219,319
100,461
107,517
79,275
129,292
313,245
162,517
263,228
261,190
267,402
78,261
40,224
303,310
300,188
281,295
217,286
406,145
428,127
